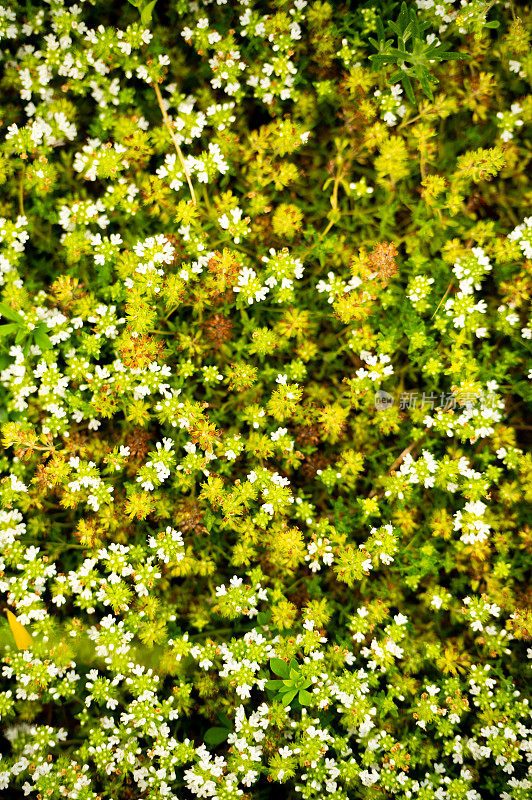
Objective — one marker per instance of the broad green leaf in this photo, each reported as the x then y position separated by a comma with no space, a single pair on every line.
6,330
42,339
146,12
10,313
304,697
22,333
279,666
274,684
216,735
287,698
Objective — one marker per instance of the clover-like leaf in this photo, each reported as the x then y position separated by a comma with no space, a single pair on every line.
216,735
263,617
304,697
274,684
288,696
10,313
280,667
146,12
6,330
41,338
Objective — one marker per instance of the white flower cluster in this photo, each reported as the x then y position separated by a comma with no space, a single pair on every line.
462,308
360,188
233,223
319,549
240,598
507,121
152,253
87,477
13,237
475,421
277,278
471,523
418,290
391,106
336,286
159,467
97,160
272,75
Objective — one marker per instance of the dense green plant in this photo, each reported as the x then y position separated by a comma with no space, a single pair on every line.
292,684
410,29
265,361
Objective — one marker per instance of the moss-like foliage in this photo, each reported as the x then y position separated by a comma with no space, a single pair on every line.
265,279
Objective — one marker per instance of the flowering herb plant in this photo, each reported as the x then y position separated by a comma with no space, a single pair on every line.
423,52
265,361
293,683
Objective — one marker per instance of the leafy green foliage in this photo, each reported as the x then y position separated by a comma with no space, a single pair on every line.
265,363
412,54
24,334
145,8
292,685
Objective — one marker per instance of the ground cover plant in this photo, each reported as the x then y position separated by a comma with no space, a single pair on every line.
265,273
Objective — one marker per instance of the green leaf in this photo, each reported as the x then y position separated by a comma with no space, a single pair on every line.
216,735
42,339
10,313
304,697
379,59
287,698
6,330
280,667
21,335
274,684
453,56
395,28
380,30
146,13
407,85
426,87
263,617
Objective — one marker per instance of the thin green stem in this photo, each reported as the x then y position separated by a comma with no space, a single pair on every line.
21,191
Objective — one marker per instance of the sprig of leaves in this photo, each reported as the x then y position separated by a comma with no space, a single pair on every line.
293,682
414,62
145,9
218,734
18,326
